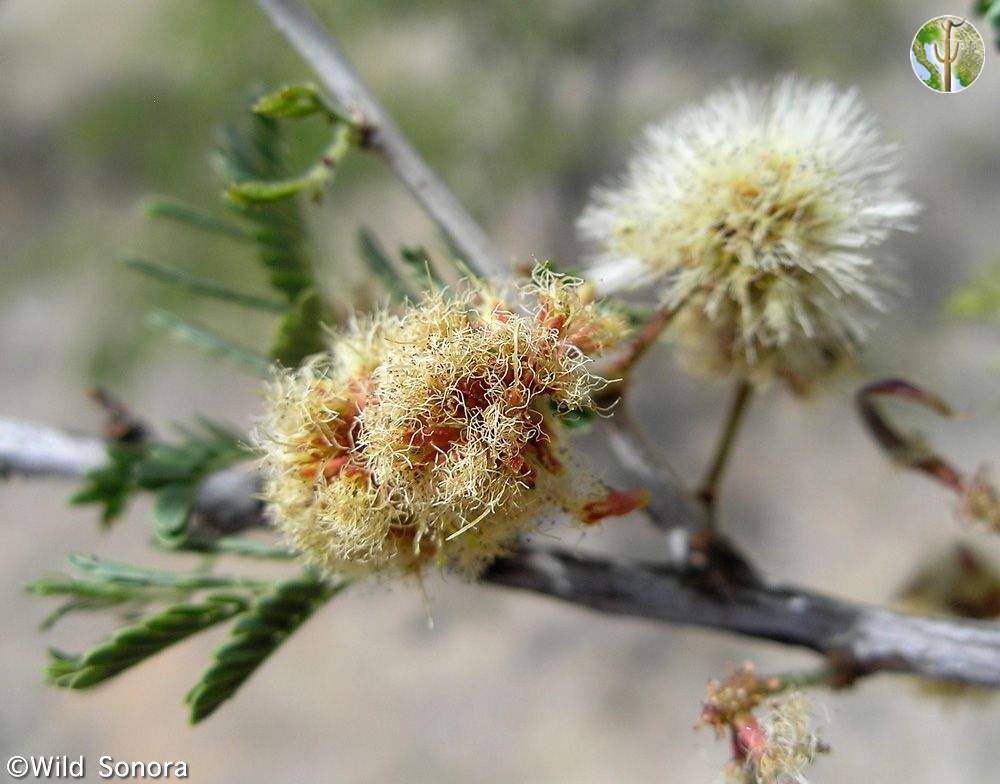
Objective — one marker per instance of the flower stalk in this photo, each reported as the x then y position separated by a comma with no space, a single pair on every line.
708,492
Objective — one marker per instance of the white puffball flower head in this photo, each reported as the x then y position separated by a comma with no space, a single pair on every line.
757,212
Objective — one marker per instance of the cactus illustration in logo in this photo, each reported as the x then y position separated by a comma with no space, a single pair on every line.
947,54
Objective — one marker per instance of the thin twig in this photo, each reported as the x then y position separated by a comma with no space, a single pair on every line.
670,506
905,449
619,368
310,39
857,639
642,342
36,451
708,492
824,675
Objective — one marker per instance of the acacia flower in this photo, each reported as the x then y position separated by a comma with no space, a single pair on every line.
567,306
774,748
787,745
431,439
757,214
317,487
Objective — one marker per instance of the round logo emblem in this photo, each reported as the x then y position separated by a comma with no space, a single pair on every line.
947,54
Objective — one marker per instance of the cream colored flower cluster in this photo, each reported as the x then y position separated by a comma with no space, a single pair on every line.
431,438
757,214
789,744
775,747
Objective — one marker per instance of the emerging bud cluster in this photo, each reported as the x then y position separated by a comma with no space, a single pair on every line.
979,501
757,212
774,748
431,438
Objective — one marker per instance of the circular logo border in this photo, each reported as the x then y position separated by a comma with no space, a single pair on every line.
913,65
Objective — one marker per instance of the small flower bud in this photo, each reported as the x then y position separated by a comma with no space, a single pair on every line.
787,745
980,501
772,749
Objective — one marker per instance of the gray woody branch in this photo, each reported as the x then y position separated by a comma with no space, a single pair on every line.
306,34
859,639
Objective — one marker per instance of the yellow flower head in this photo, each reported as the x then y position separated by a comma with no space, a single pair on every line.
431,439
318,490
566,305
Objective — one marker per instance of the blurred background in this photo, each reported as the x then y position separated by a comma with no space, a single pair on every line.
522,107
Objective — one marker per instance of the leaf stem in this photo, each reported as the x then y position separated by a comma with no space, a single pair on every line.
824,675
106,572
903,448
315,178
208,342
200,286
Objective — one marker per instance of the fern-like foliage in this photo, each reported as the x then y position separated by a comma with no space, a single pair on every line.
133,644
111,486
405,279
82,595
393,279
172,471
265,213
258,154
300,331
98,584
266,614
264,199
258,632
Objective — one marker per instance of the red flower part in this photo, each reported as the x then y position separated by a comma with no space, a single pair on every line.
615,504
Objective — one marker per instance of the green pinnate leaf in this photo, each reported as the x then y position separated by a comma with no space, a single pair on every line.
260,631
300,332
255,191
264,192
173,470
197,218
202,287
207,342
292,101
133,644
295,101
172,510
381,265
111,486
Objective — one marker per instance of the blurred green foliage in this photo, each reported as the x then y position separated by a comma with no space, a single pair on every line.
990,9
979,298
